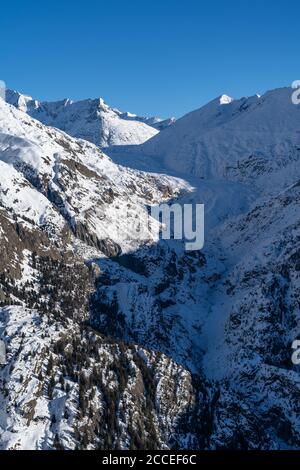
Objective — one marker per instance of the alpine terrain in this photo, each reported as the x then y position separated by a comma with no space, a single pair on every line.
117,339
90,119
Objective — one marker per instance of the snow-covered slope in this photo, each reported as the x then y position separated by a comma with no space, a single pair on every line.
95,196
228,139
92,120
64,208
68,387
152,346
242,156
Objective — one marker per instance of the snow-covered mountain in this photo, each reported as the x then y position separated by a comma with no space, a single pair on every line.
92,120
120,341
229,139
242,157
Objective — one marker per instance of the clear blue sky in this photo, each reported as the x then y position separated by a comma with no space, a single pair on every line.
149,57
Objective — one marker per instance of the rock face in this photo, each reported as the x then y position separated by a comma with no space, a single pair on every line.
117,339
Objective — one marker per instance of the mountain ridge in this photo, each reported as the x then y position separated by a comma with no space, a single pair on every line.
152,346
90,119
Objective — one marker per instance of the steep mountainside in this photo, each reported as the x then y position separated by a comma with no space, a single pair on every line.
65,207
242,156
118,339
228,139
92,120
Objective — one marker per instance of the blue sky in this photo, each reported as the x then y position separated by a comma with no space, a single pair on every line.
149,57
